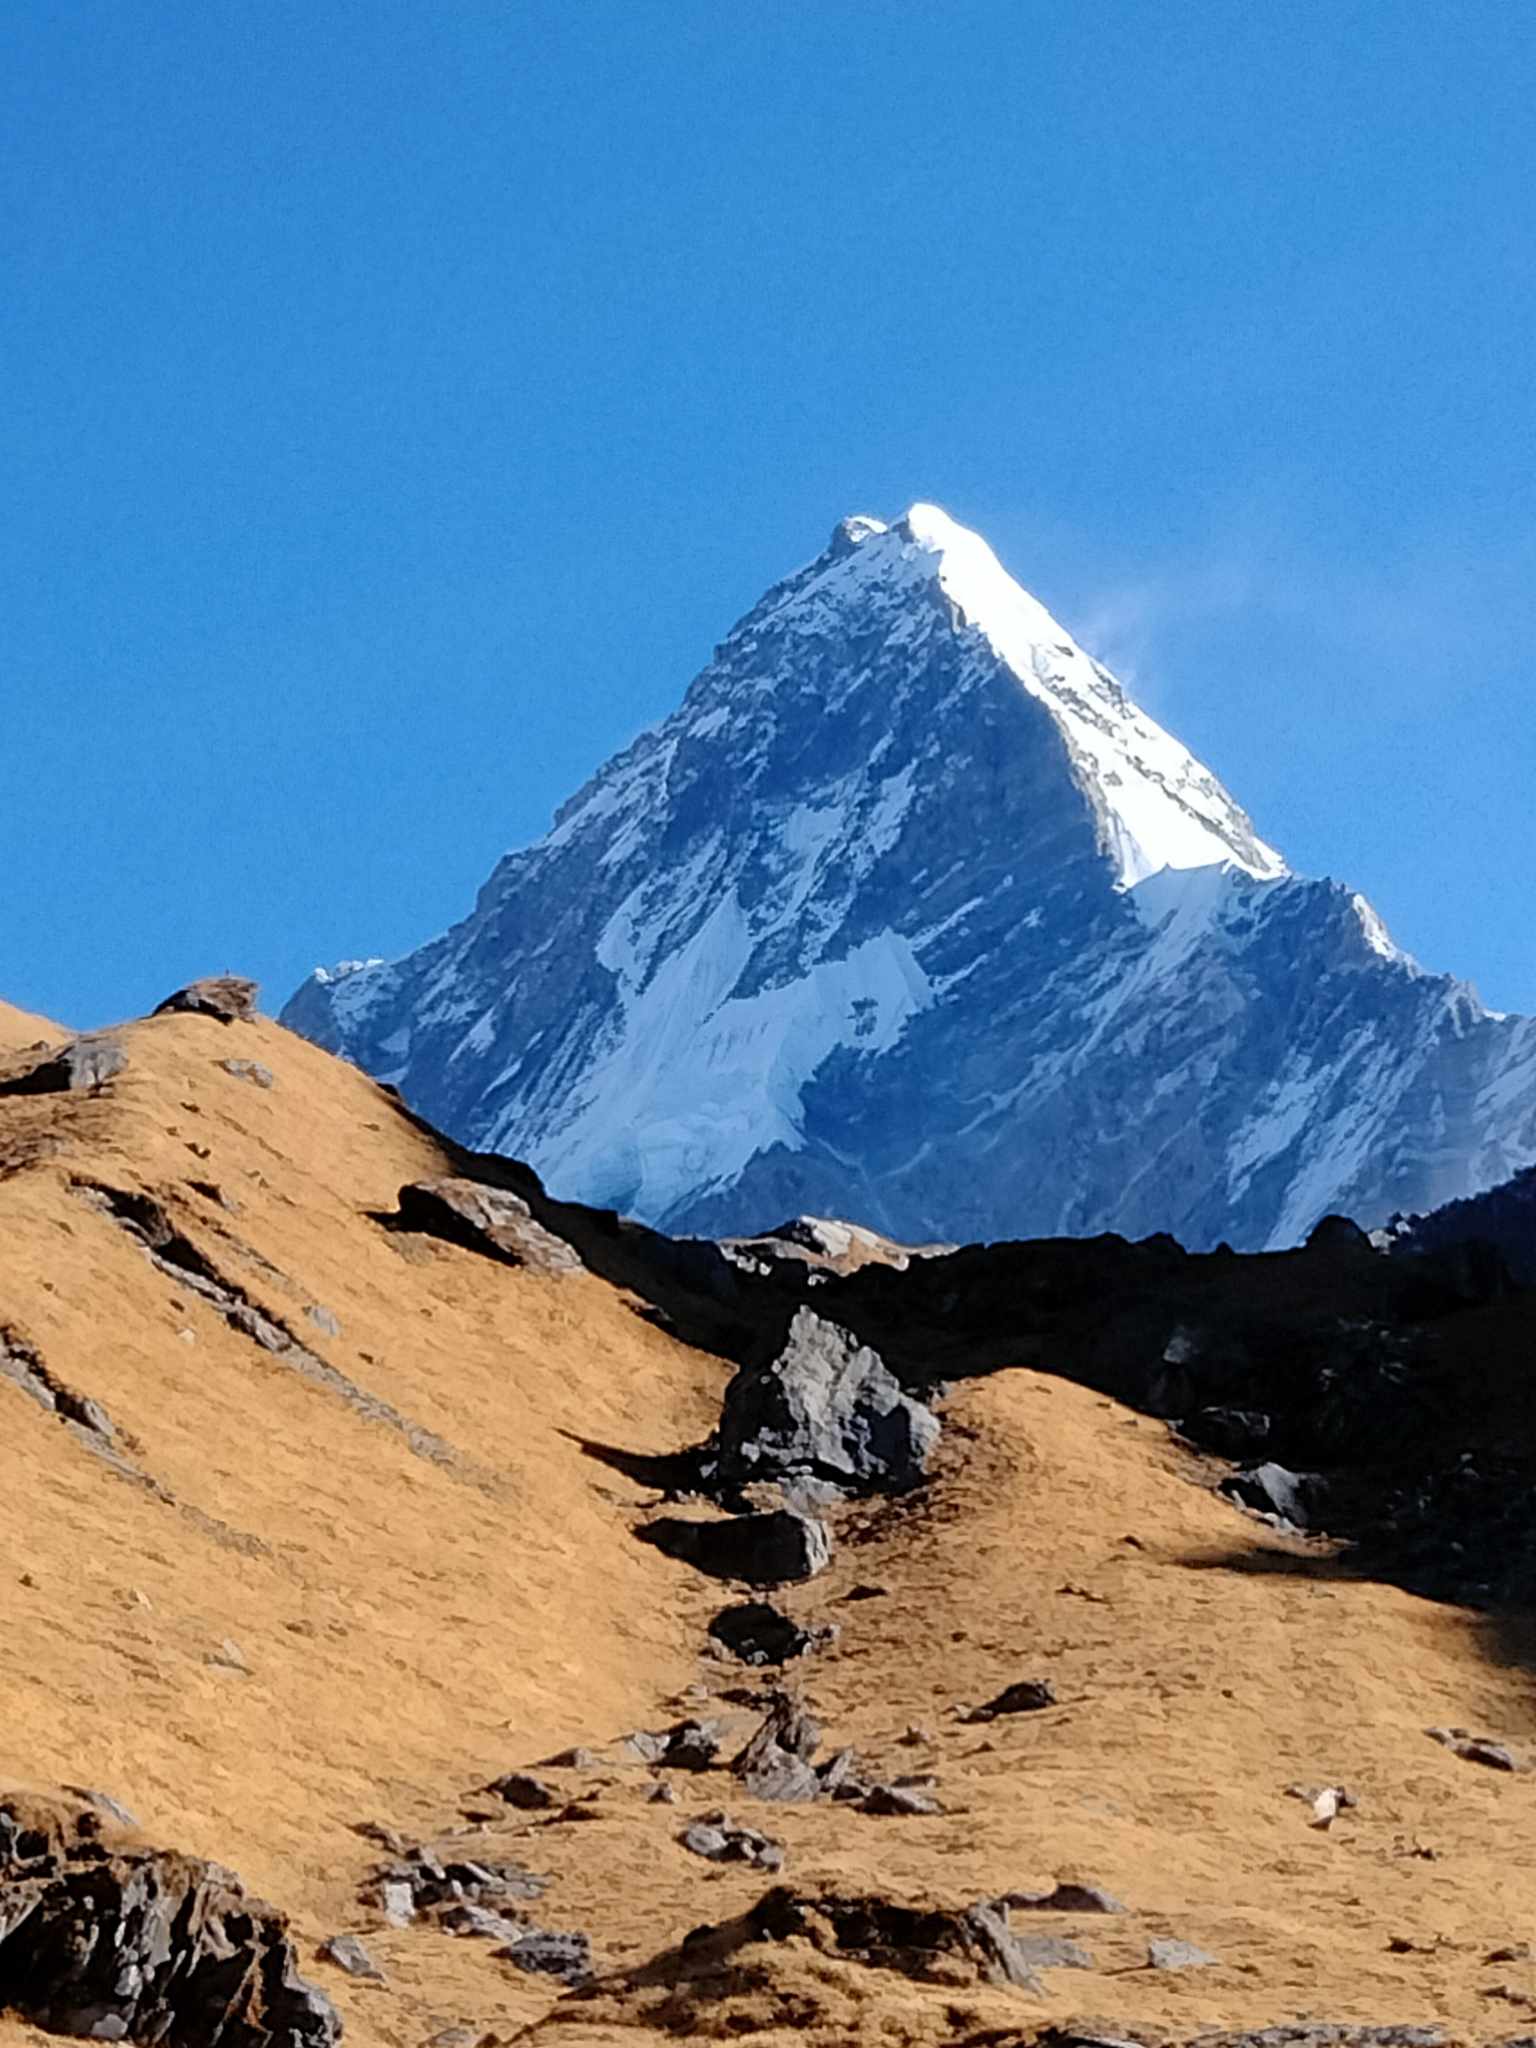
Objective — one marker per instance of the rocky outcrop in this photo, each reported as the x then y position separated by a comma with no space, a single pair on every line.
485,1219
227,997
824,1407
84,1066
100,1936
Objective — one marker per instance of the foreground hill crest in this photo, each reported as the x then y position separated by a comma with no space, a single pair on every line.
908,913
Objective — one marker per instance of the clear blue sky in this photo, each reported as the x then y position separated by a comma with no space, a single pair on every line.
400,400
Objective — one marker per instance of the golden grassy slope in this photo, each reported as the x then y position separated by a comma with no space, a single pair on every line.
409,1631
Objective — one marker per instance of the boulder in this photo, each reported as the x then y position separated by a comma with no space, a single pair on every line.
769,1549
758,1634
106,1938
228,997
84,1066
484,1219
824,1407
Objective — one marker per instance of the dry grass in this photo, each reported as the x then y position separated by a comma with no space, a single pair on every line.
409,1629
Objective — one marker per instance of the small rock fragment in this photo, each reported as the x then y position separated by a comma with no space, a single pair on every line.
323,1319
1476,1749
661,1794
719,1839
396,1903
1024,1696
250,1070
899,1800
566,1956
1177,1955
348,1953
522,1790
573,1760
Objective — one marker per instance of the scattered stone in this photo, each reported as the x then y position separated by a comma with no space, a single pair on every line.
787,1726
686,1746
826,1407
323,1319
1177,1955
250,1070
661,1794
840,1777
103,1802
227,997
899,1800
925,1943
128,1943
573,1760
229,1657
437,1882
770,1549
1065,1896
482,1922
914,1737
719,1839
522,1790
84,1066
1476,1749
348,1953
759,1634
1520,1952
396,1903
566,1956
1024,1696
865,1592
1326,1801
1271,1490
484,1219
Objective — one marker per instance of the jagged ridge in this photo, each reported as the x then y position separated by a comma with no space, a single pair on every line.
909,914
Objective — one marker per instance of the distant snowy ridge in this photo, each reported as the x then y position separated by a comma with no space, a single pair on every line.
909,914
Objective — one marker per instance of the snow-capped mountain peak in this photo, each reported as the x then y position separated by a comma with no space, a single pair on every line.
909,914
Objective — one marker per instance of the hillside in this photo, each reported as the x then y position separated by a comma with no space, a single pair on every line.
348,1582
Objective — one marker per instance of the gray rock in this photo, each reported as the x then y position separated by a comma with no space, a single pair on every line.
541,1954
1271,1489
397,1902
228,997
825,1408
899,1800
573,1760
83,1066
485,1219
661,1794
250,1070
782,1778
522,1790
1024,1696
719,1839
323,1319
1476,1749
771,1549
348,1953
758,1634
104,1803
1177,1955
481,1922
787,1728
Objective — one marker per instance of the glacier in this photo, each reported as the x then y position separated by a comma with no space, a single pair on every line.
909,914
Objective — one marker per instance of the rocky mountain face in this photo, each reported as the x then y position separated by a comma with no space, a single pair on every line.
909,915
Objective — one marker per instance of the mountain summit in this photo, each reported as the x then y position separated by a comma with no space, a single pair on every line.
909,914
